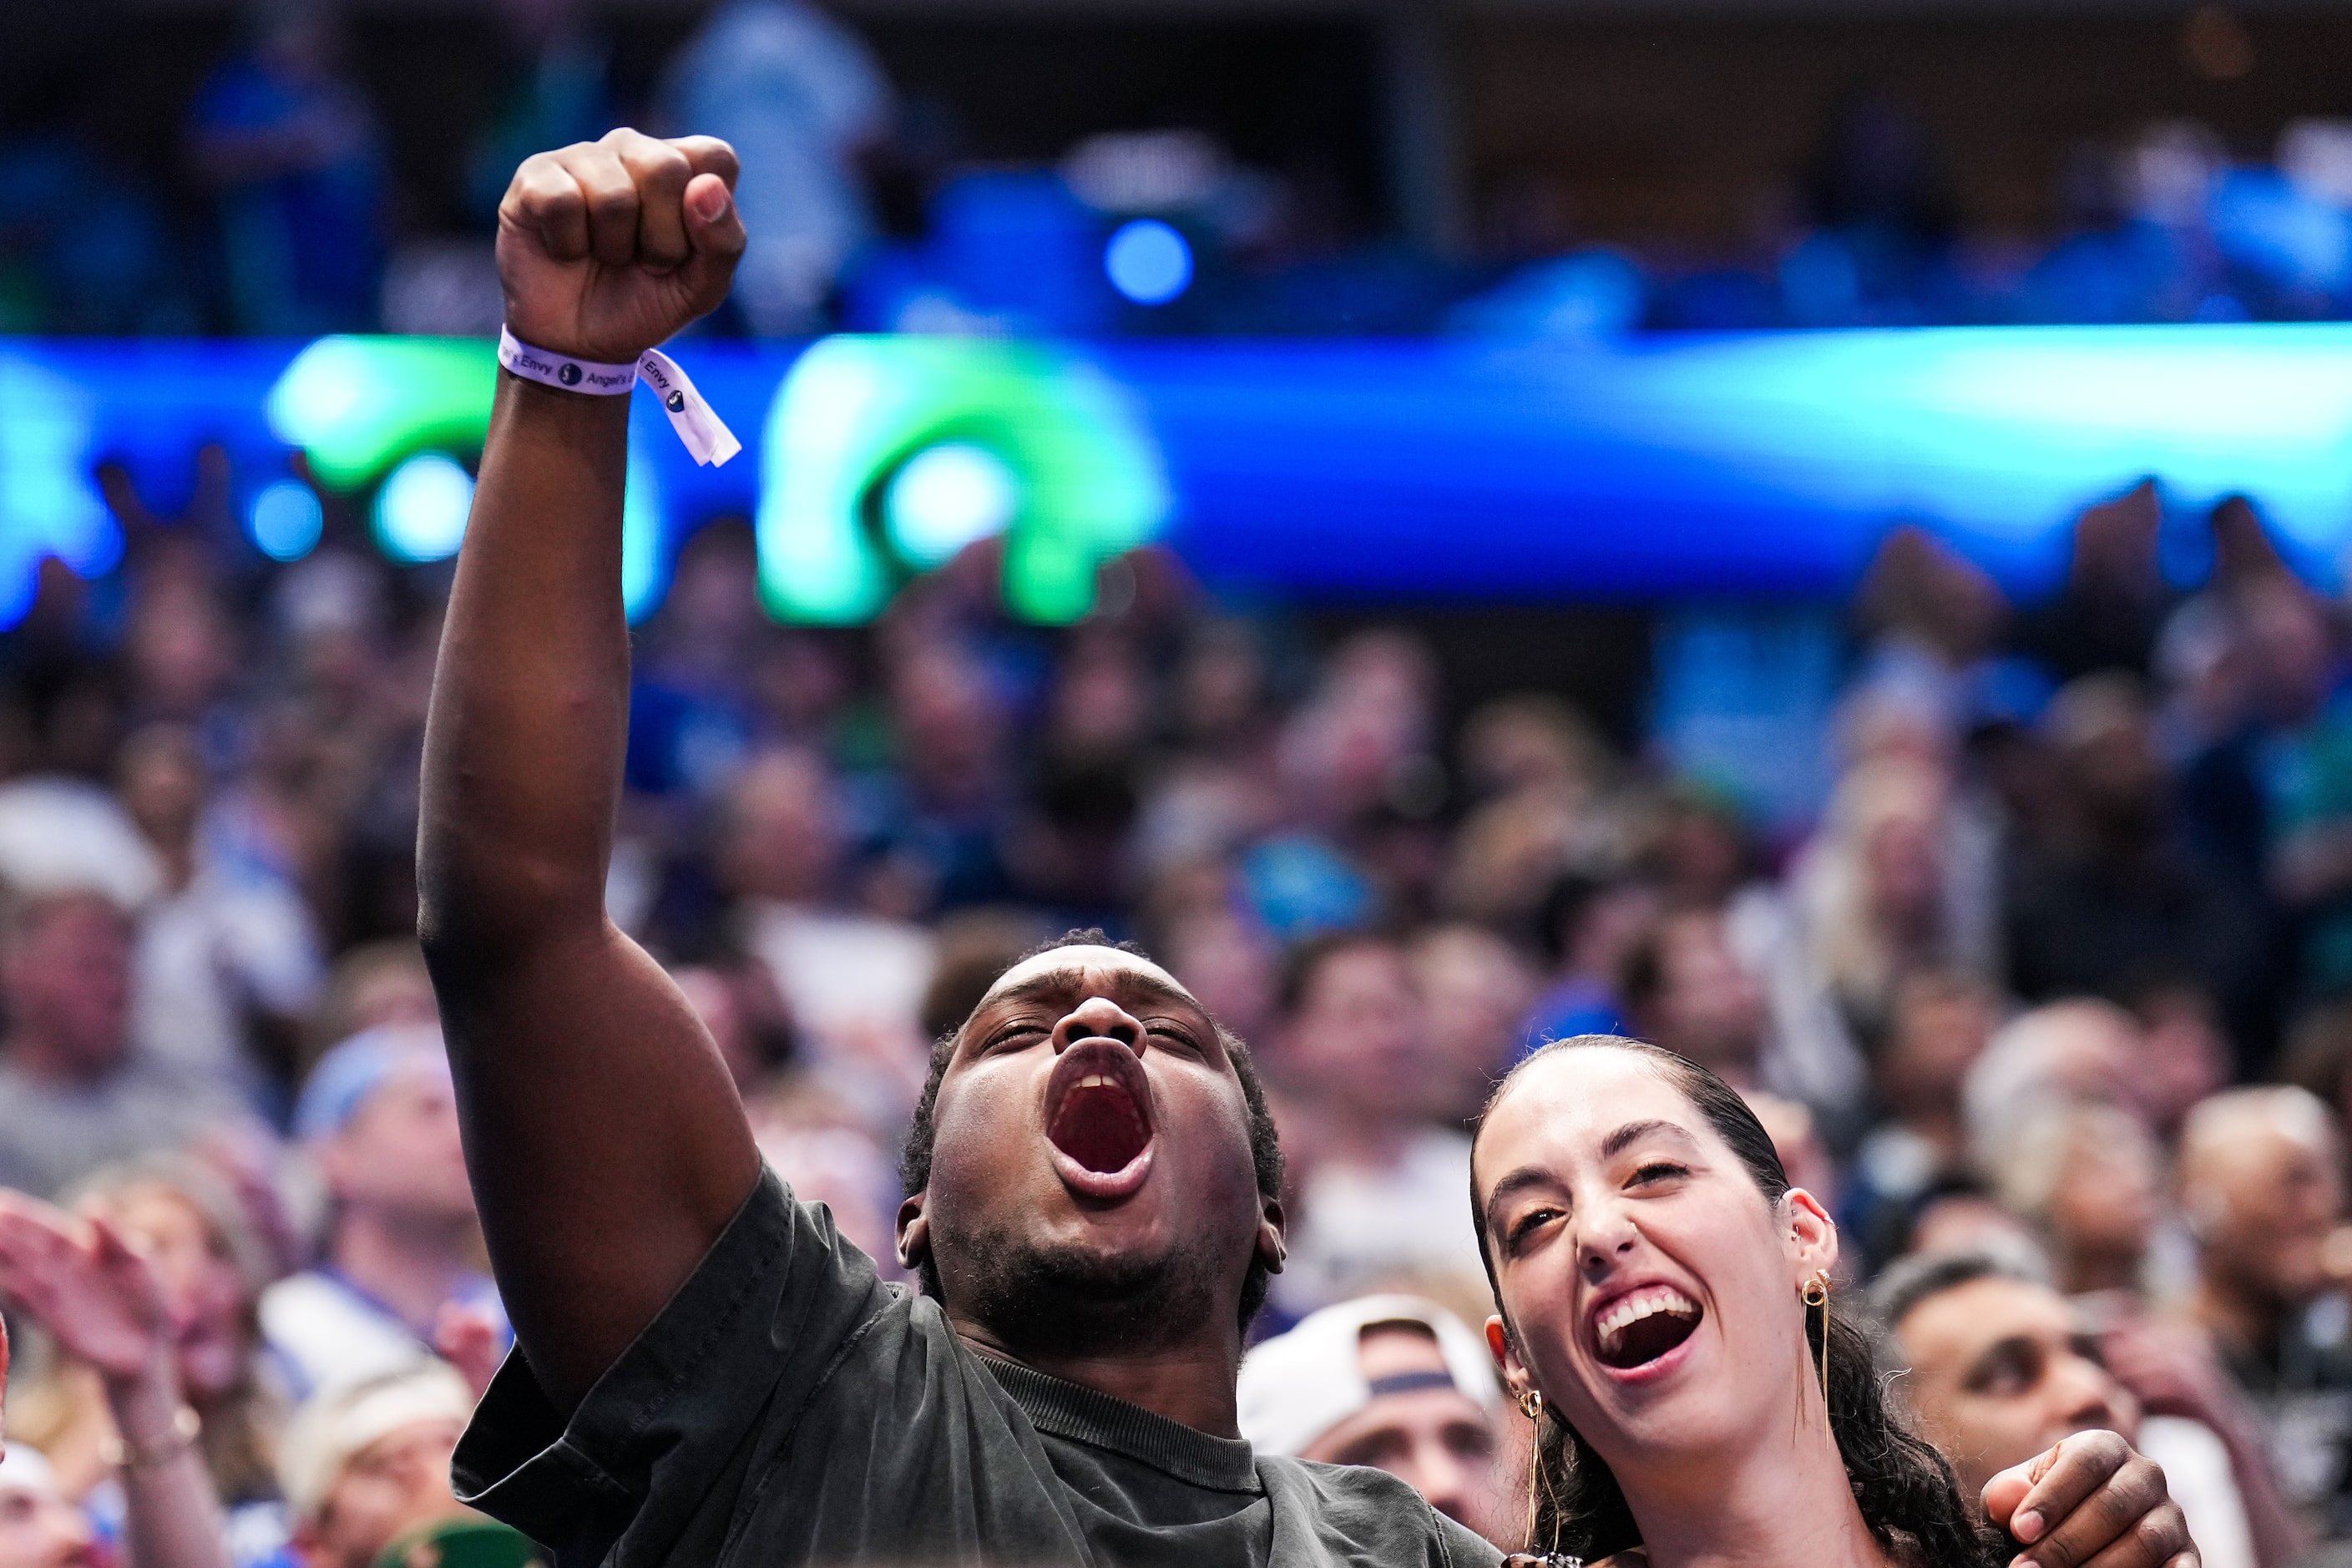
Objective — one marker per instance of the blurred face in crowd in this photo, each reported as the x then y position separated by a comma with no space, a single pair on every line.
2290,646
2000,1370
1092,1186
1357,1036
1940,1026
1708,1006
1437,1441
781,833
202,1284
162,784
1651,1290
398,1483
399,1153
2263,1195
1475,991
2109,1183
38,1529
68,980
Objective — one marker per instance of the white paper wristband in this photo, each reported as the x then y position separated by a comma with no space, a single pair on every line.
696,424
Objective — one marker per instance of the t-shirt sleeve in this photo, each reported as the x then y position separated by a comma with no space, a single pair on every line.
739,1348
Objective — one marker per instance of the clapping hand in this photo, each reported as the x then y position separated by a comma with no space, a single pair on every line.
85,1283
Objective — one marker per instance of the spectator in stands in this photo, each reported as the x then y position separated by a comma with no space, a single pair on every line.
2117,898
1379,1187
799,97
289,145
74,1094
368,1464
210,1264
2089,1177
85,1283
852,981
1936,1028
228,958
399,1270
1475,991
39,1528
1998,1366
1684,989
1399,1384
2263,1193
2078,1049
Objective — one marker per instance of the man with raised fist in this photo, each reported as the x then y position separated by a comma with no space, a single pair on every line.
708,1372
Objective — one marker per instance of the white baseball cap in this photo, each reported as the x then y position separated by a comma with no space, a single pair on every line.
1296,1386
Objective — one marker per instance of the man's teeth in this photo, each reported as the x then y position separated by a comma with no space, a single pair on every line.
1626,1311
1097,1080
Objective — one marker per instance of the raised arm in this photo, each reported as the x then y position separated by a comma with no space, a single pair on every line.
605,1144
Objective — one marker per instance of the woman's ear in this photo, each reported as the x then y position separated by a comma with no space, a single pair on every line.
1812,1234
1506,1358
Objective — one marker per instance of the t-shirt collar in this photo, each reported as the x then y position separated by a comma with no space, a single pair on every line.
1084,1415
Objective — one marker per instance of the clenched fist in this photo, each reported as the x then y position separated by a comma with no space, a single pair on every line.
608,248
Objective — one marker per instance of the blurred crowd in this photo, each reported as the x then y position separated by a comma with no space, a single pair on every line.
2050,1000
284,204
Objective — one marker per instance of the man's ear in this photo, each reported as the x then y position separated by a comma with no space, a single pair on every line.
1273,1247
914,1231
1813,1234
1506,1357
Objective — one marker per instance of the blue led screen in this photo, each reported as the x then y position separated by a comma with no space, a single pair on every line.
1357,470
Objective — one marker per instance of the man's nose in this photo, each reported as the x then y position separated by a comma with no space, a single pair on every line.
1440,1479
2087,1393
1097,1017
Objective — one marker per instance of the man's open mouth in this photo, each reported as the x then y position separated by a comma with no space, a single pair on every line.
1637,1328
1098,1119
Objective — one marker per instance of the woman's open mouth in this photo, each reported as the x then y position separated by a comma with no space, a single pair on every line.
1098,1119
1637,1328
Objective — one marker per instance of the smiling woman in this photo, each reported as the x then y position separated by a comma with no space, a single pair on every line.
1661,1289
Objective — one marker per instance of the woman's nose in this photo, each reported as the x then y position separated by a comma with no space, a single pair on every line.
1097,1017
1608,1237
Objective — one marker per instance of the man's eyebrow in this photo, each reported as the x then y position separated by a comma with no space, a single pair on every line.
1632,1132
1055,981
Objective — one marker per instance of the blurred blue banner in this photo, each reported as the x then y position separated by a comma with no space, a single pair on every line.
1318,471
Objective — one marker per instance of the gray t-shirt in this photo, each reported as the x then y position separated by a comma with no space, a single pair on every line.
787,1407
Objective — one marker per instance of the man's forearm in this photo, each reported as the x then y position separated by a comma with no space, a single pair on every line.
522,752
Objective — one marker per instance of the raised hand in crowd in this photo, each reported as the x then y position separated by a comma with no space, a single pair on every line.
94,1293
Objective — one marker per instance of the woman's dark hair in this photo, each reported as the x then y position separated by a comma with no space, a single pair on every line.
1903,1487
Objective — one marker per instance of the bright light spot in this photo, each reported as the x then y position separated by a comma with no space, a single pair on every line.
326,384
420,513
285,520
1147,261
948,496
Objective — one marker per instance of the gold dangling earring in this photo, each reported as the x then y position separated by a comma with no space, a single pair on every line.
1531,1405
1816,1293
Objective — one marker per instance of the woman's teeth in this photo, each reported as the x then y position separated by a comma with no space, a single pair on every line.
1620,1318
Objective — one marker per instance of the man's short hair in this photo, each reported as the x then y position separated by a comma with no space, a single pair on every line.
1907,1283
1265,1145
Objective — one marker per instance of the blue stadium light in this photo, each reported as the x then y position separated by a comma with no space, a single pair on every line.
1147,261
947,497
420,513
285,520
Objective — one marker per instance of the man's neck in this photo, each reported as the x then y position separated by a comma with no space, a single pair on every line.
1785,1499
1191,1383
411,1264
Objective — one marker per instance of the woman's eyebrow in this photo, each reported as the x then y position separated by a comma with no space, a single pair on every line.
1632,1132
1509,1186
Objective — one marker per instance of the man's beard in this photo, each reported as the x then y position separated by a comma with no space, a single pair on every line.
1076,1301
